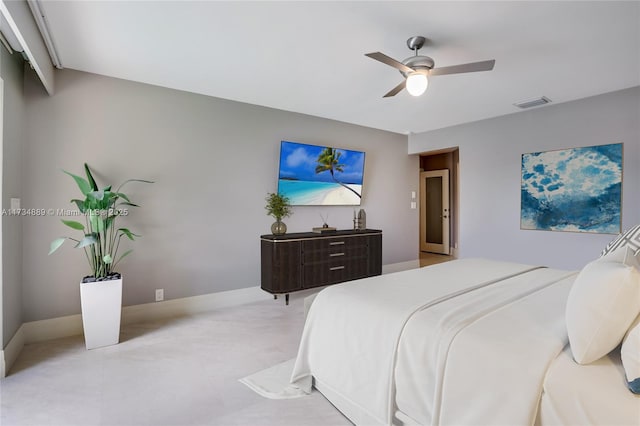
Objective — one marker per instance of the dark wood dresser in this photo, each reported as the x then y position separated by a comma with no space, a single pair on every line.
303,260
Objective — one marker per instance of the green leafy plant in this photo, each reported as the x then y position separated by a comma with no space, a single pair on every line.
278,206
101,237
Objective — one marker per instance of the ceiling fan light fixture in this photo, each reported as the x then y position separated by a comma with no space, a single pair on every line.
416,68
417,83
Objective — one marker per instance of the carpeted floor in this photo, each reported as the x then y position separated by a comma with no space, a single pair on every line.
182,371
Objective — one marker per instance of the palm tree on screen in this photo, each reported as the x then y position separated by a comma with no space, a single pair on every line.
329,160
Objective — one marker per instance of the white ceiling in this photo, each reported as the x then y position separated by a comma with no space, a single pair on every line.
308,57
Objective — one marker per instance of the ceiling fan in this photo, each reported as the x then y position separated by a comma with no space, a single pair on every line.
416,68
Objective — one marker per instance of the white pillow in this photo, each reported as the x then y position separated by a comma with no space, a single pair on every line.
631,356
603,302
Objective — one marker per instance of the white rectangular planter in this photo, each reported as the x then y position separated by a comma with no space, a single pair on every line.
101,308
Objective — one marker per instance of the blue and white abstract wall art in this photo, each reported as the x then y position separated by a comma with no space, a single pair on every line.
576,190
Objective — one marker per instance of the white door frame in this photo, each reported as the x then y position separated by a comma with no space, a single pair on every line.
2,361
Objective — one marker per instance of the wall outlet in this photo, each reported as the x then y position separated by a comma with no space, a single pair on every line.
15,204
159,294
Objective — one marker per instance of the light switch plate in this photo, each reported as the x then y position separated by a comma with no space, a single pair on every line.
15,204
413,204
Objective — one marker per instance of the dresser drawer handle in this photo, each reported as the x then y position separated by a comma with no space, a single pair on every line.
336,243
336,254
336,268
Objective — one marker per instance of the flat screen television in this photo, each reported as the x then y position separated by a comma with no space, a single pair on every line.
312,175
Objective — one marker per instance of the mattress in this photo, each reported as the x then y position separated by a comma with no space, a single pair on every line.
593,394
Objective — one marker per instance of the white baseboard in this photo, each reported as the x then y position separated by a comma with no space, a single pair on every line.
192,305
71,325
402,266
55,328
10,353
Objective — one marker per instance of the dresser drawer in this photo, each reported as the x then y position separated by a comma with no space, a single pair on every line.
321,249
334,271
329,244
341,254
320,274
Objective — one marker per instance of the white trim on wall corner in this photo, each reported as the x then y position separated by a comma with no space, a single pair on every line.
11,352
3,365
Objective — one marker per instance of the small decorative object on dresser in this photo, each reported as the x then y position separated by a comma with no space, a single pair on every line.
325,227
278,206
360,221
304,260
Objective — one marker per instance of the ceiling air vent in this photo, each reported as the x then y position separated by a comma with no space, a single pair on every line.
529,103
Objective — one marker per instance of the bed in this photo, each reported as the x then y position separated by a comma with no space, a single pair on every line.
471,341
591,394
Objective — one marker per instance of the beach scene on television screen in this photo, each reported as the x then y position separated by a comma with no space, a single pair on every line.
577,190
320,175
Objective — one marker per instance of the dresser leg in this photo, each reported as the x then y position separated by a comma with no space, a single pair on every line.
286,298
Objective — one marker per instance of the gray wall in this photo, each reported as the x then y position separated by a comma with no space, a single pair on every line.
490,156
11,67
213,162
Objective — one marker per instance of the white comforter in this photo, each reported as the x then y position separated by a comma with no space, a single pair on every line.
416,342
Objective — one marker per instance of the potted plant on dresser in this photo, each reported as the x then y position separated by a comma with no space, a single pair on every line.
278,206
100,292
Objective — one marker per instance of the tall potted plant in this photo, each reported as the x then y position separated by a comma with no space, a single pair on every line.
100,292
278,206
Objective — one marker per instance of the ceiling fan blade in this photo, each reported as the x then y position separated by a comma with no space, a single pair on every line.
395,90
470,67
389,61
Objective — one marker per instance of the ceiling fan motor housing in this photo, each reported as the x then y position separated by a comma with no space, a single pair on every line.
418,63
